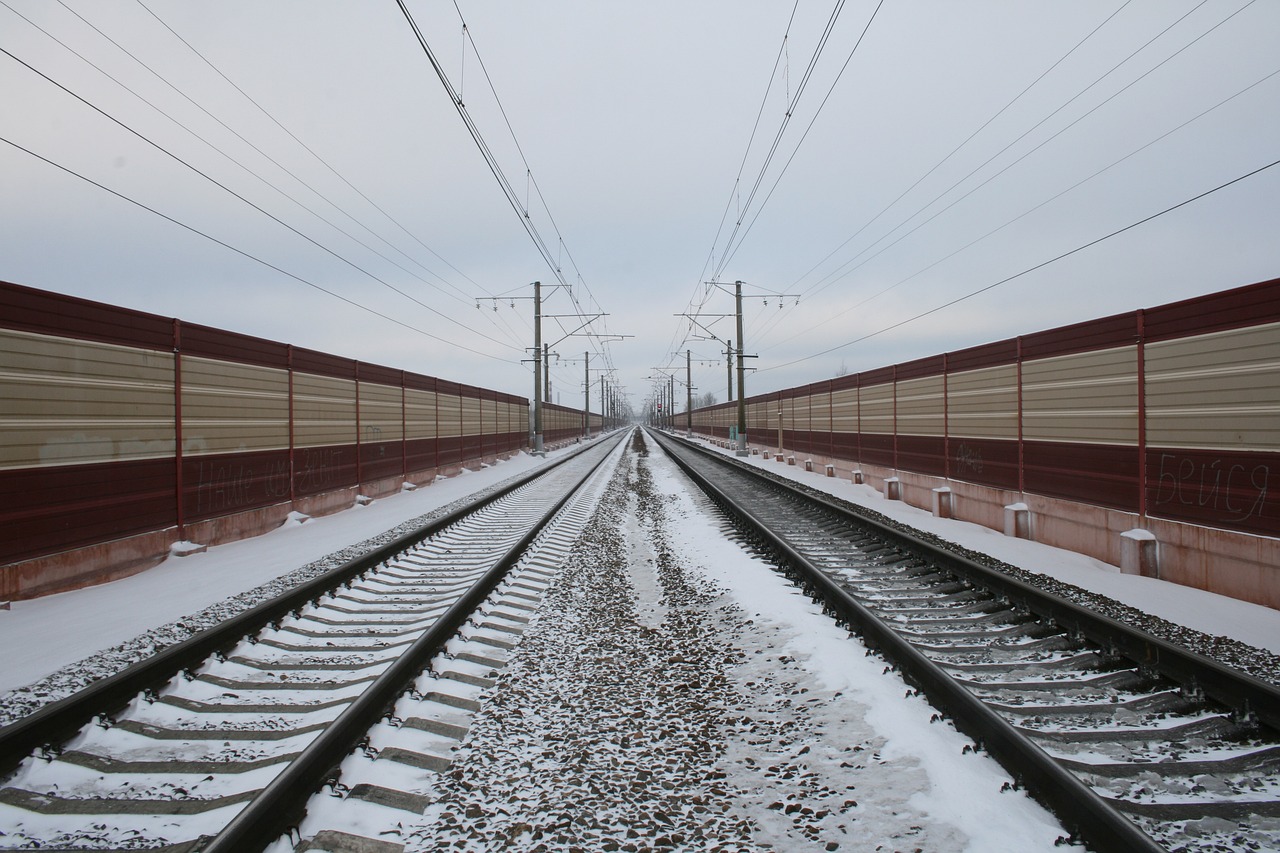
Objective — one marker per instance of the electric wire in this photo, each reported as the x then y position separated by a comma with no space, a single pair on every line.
321,160
486,152
1028,270
531,180
242,198
245,254
1028,212
786,120
216,148
966,141
843,273
731,252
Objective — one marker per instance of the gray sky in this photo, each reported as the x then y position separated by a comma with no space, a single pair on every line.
961,145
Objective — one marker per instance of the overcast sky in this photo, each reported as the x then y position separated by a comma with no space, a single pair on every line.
961,146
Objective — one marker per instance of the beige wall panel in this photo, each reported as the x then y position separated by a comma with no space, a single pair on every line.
68,402
450,409
877,409
844,410
921,406
233,408
1219,391
471,423
494,422
820,412
983,403
380,413
324,410
420,413
1087,397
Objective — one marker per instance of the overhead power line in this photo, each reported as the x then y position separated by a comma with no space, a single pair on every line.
1028,270
245,254
242,198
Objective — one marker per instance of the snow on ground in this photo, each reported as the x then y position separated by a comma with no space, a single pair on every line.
675,692
1210,613
40,636
961,789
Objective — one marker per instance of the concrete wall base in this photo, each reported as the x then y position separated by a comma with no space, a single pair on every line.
942,502
1140,553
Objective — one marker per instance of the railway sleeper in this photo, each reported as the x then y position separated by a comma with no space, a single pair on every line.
105,764
1059,641
333,841
292,666
155,732
1165,701
1083,661
1244,811
54,805
199,707
1217,727
1255,761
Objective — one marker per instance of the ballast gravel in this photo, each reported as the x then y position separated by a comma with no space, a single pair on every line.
643,712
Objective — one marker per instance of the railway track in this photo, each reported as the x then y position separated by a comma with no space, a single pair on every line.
348,683
1136,744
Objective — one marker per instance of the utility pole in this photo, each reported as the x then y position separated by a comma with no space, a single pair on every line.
546,372
537,371
688,384
671,401
586,396
728,366
742,406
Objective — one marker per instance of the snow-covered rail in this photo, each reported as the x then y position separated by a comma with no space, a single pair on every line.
1135,743
224,754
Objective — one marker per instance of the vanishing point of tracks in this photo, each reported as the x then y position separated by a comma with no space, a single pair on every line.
1136,744
216,744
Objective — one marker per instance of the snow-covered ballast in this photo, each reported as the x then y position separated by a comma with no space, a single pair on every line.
1150,439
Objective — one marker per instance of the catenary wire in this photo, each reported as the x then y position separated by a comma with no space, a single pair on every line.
222,152
840,271
843,273
1028,270
459,293
242,198
245,254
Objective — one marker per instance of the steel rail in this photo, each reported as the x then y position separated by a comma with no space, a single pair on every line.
279,805
1249,697
60,720
1076,804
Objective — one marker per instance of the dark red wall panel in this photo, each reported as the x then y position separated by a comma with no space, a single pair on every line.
985,461
420,454
1102,474
223,484
323,469
877,448
208,342
47,510
31,310
923,454
380,460
1235,490
1230,309
1115,331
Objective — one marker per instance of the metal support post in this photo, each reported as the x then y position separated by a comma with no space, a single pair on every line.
688,385
537,369
742,407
